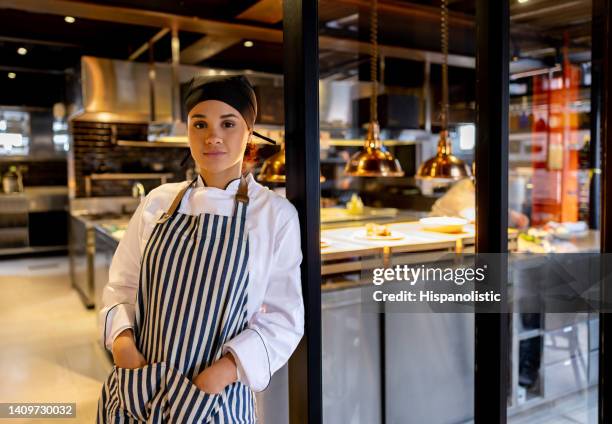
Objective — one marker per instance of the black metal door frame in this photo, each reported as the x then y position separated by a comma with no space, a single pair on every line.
602,67
491,156
301,87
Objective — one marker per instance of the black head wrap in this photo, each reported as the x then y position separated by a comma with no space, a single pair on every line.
236,91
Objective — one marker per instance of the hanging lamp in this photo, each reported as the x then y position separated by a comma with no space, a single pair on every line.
373,160
273,168
444,167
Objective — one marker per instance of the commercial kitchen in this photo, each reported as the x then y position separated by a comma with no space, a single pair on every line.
408,130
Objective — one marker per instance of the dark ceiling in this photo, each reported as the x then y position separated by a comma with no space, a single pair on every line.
55,46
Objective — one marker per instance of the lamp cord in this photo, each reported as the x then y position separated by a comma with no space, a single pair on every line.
444,26
374,61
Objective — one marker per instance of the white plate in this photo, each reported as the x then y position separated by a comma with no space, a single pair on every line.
569,236
395,235
443,224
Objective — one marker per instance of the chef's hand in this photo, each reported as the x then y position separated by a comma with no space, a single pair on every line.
219,375
518,219
125,352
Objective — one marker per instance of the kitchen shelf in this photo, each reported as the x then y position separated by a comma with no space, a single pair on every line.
359,142
130,176
144,143
162,176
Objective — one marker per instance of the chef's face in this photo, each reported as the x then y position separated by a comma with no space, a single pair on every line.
218,136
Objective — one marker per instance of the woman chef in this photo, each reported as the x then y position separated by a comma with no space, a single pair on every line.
203,302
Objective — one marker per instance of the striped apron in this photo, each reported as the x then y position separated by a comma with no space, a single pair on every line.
192,298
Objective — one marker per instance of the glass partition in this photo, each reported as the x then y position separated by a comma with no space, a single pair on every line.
553,361
376,186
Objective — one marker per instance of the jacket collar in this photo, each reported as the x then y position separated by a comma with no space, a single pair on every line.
231,187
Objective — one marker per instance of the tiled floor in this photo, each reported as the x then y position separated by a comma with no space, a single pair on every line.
50,351
579,408
49,348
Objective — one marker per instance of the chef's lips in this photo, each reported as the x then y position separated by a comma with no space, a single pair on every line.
236,91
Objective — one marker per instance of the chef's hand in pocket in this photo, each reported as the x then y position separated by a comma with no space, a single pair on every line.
214,379
125,352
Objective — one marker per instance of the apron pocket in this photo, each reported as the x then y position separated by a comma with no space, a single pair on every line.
137,387
187,403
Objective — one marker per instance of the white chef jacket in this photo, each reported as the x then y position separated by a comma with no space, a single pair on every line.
275,306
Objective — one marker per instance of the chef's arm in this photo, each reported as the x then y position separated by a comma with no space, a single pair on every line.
274,331
119,294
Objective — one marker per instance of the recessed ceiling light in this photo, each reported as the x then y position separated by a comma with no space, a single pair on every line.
12,75
22,51
69,19
248,43
523,1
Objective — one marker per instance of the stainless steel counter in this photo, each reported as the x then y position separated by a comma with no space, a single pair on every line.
82,250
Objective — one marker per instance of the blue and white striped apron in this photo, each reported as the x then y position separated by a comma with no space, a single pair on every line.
192,298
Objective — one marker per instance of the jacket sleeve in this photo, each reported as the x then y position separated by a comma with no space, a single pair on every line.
119,294
274,331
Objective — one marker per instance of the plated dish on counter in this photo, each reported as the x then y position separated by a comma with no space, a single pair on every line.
378,232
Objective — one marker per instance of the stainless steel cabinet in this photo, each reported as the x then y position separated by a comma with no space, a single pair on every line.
13,221
429,361
351,360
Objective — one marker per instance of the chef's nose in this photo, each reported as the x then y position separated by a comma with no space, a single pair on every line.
213,139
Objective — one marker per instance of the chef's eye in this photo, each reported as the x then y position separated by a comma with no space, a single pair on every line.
229,124
199,125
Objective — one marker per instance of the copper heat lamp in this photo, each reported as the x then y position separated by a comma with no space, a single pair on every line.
273,168
444,167
373,160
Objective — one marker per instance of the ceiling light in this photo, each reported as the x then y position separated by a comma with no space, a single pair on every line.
248,43
12,75
523,1
69,19
22,51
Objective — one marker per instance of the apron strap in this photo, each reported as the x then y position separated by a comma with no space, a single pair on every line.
175,203
242,197
243,191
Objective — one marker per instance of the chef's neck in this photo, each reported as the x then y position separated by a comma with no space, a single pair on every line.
223,178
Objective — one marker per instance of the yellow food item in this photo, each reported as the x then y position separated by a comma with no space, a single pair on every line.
377,230
355,205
